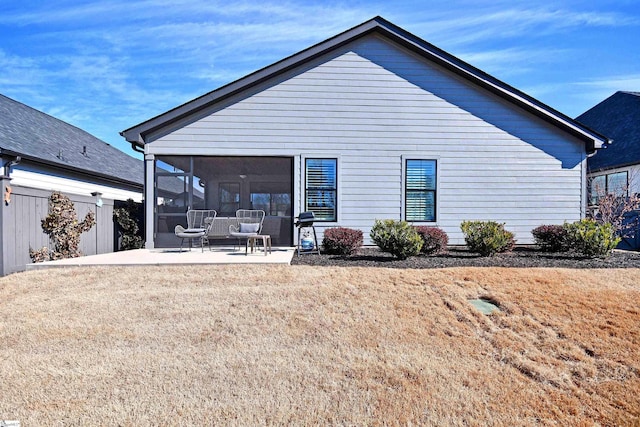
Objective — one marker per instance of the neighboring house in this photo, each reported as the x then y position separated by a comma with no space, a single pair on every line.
41,154
615,168
373,123
58,156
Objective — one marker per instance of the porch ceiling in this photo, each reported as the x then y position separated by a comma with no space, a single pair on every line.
207,165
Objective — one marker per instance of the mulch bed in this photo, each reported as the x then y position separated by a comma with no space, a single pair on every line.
520,257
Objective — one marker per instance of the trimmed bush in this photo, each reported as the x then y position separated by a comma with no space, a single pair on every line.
342,241
63,228
487,237
434,239
551,238
398,238
591,239
128,230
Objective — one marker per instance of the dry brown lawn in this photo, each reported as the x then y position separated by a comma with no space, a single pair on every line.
315,346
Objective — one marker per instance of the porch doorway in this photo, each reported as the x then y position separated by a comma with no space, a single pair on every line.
225,184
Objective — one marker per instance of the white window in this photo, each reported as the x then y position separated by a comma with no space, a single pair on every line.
321,188
420,190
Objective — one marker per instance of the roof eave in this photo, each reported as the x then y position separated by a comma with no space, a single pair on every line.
73,169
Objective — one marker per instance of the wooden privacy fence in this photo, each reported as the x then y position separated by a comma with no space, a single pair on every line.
20,225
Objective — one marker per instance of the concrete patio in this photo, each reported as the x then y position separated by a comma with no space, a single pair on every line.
173,256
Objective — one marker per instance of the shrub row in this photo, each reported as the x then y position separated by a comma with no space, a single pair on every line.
403,240
487,238
398,238
586,237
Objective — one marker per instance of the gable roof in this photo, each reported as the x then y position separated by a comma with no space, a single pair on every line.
137,134
618,117
43,139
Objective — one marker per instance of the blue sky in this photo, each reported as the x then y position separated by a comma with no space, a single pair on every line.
108,65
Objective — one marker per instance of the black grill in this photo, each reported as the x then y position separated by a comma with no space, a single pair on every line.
305,219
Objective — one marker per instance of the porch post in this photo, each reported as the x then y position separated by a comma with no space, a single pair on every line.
298,194
149,200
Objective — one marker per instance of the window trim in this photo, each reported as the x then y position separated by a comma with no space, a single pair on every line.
436,191
304,189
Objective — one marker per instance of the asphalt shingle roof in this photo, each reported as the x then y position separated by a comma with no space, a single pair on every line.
617,117
34,134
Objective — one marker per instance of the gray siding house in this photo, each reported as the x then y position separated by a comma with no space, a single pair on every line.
41,154
616,168
373,123
618,165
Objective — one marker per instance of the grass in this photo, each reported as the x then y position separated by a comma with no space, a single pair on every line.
308,345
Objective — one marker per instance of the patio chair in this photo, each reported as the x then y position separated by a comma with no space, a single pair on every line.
199,222
249,223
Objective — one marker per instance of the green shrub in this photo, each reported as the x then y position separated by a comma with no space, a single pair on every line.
551,238
434,239
342,241
128,227
398,238
591,239
487,237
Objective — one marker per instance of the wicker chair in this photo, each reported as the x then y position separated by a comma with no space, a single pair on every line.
199,222
249,223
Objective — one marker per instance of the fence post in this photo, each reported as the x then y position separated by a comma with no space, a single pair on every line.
4,222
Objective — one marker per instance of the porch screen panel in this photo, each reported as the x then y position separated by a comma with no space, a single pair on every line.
229,198
272,197
420,190
321,188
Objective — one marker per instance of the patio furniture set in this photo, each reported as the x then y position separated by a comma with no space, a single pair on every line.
245,226
204,225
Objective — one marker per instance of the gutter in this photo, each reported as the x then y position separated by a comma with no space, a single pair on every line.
135,147
38,161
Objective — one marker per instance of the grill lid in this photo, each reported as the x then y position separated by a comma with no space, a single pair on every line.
305,219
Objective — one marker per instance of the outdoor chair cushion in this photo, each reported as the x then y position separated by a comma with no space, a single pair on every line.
194,230
249,227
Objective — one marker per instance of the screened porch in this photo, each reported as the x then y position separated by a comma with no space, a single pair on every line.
225,184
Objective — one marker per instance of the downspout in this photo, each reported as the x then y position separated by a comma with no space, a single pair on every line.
585,178
145,202
137,149
7,166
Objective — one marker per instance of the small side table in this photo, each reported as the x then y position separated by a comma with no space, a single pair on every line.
266,242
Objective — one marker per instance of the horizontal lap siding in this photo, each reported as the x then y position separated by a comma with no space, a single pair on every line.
372,103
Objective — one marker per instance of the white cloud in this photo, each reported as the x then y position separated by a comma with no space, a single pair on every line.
511,61
480,25
595,90
627,82
575,97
